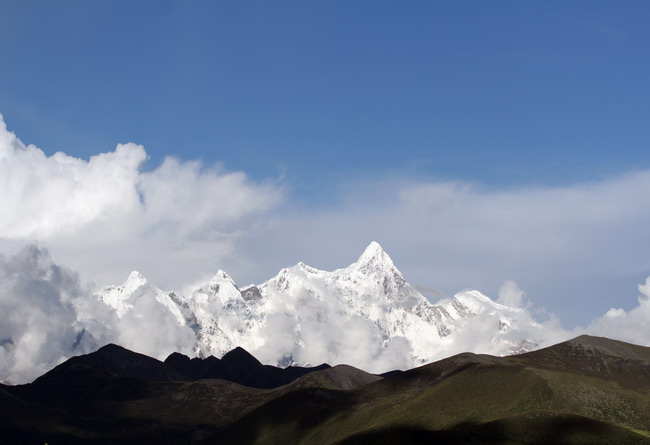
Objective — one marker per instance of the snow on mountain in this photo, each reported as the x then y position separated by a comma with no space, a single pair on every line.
366,315
122,298
220,316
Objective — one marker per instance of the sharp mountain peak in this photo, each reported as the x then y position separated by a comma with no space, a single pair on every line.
134,281
308,304
240,357
222,275
374,254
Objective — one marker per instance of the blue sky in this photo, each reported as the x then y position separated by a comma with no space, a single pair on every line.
355,113
494,92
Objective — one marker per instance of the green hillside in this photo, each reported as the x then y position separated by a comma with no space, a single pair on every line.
583,391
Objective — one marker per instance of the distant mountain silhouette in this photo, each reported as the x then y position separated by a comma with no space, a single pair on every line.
236,366
586,390
113,361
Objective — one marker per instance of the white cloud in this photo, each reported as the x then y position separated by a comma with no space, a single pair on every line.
38,315
510,294
150,328
644,298
47,315
59,195
106,216
630,326
324,334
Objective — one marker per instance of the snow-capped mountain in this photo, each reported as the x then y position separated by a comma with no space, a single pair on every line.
122,298
366,315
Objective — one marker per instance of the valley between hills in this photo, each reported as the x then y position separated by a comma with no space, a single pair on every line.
589,390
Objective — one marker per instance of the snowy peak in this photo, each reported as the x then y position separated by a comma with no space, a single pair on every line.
375,261
304,315
135,280
374,255
222,276
135,291
377,267
117,296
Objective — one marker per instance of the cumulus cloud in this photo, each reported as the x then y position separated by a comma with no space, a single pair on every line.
322,332
630,326
150,328
644,298
47,316
38,314
510,294
181,216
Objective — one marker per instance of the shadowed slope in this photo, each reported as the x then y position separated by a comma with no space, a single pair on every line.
539,430
237,366
110,361
121,395
586,390
627,364
571,387
341,377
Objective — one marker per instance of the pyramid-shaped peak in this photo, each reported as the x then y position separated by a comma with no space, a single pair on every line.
374,248
239,357
375,260
373,254
136,276
222,275
135,280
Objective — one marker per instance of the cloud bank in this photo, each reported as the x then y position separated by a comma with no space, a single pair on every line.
49,316
107,214
38,316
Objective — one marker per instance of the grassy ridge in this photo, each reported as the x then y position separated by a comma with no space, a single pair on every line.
580,392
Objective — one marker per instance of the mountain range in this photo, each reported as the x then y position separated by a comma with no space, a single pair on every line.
589,390
366,315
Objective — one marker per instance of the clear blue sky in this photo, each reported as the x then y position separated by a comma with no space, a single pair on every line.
504,92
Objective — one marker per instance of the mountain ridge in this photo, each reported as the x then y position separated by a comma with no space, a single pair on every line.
113,361
469,398
545,396
299,316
